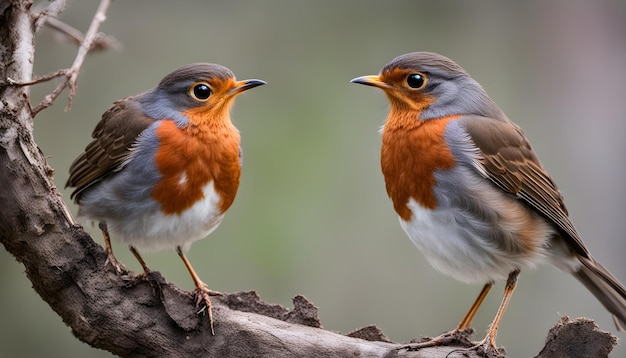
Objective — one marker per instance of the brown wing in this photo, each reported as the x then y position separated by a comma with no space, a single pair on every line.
509,161
113,138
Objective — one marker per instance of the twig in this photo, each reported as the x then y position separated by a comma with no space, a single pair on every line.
71,74
55,8
36,80
72,35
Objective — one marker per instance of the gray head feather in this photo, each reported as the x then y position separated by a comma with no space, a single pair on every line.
171,96
452,87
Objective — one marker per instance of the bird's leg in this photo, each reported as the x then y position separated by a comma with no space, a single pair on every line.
488,344
457,335
202,292
466,322
111,259
146,269
511,283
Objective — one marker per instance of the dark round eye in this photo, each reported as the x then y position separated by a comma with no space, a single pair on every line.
201,91
416,80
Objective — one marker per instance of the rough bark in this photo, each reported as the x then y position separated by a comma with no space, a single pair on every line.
151,317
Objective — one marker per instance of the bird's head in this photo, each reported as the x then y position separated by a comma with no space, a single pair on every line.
199,92
432,86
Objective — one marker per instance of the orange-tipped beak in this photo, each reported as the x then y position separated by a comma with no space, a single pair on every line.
372,80
246,85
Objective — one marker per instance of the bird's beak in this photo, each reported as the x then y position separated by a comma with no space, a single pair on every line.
372,80
245,85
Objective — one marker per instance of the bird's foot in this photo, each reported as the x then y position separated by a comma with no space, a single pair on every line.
459,338
485,348
119,267
456,337
203,303
152,277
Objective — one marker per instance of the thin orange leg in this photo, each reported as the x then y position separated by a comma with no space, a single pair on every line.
145,267
111,259
488,344
466,322
453,337
511,283
201,290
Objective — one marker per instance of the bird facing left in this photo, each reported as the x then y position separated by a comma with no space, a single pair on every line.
164,166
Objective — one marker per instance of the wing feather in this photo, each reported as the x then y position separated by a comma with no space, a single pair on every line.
113,139
508,160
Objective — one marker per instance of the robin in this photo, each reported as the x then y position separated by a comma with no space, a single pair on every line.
164,166
469,190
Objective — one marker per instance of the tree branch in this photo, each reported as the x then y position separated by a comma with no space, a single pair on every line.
71,73
55,8
72,35
150,317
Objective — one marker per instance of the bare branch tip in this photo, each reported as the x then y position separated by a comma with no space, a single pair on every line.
92,39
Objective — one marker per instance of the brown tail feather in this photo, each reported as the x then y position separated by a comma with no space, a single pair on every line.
607,289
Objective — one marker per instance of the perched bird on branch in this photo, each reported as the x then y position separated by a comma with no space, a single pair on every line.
470,191
164,166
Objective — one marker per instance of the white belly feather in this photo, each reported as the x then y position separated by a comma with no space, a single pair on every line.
155,231
458,251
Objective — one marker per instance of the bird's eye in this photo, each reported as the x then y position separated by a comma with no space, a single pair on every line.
416,80
200,91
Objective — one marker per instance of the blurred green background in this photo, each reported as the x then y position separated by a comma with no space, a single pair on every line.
312,216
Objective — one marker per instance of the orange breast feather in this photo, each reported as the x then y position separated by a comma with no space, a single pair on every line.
189,158
412,150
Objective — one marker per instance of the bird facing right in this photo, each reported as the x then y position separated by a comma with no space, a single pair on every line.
164,166
470,191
